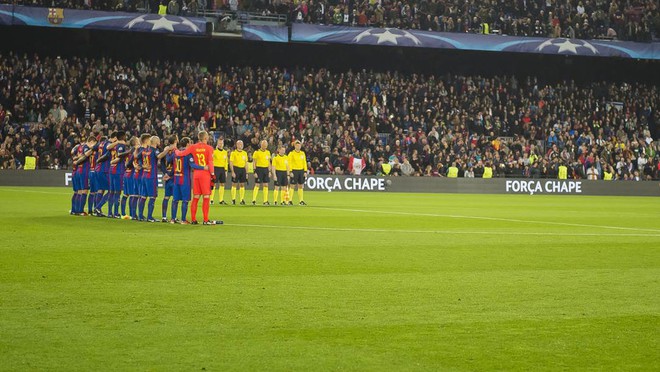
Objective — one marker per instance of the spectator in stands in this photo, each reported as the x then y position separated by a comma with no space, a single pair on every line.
161,8
173,7
592,173
192,8
523,128
406,168
638,20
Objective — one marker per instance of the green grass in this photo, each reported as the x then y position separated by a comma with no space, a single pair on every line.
374,282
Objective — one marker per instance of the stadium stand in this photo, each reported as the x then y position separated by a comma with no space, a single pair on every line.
416,124
637,20
586,19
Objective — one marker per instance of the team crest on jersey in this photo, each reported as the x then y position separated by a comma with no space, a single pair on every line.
55,15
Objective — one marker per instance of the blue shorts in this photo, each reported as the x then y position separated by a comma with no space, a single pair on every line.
93,186
126,185
102,181
182,192
116,182
149,187
139,186
74,181
169,188
135,186
83,181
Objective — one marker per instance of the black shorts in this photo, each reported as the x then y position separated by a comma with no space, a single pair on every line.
261,175
298,177
241,175
282,179
220,175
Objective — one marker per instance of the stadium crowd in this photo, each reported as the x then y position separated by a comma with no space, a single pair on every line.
359,122
635,20
584,19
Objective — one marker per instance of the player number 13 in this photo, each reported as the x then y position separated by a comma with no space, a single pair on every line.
201,160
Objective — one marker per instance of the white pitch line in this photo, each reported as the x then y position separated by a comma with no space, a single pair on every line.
36,192
488,219
349,229
434,215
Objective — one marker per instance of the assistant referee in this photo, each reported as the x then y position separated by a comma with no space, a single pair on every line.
298,164
237,162
221,163
262,171
281,172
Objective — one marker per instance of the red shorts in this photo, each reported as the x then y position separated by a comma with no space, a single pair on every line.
201,183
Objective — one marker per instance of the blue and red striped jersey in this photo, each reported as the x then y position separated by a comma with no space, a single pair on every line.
102,165
92,160
169,164
117,168
182,169
149,162
85,166
74,153
129,165
137,162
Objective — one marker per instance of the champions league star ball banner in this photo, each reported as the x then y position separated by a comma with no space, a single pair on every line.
276,34
491,43
88,19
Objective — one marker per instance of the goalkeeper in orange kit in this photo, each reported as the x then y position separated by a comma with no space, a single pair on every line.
202,155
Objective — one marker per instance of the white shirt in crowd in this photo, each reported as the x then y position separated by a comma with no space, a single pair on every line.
167,123
592,173
357,166
641,162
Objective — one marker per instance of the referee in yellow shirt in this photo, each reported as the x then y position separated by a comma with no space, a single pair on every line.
281,171
220,163
237,161
262,171
298,164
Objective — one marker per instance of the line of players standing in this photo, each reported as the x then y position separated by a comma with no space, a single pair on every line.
118,173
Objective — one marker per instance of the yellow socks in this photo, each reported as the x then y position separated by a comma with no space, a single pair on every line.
300,194
265,194
242,191
255,192
233,192
275,193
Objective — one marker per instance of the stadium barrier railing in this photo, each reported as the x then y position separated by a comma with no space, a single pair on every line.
342,183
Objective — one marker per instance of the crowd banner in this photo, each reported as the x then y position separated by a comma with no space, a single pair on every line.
275,34
342,183
491,43
16,15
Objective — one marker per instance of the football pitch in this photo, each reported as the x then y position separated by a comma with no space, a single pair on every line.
354,281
